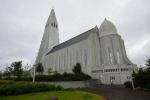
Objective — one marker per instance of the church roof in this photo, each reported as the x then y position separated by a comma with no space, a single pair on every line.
107,27
72,41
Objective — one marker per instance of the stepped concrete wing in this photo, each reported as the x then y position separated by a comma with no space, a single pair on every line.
107,28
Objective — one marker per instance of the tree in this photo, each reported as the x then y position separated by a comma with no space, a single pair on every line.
7,72
148,64
16,69
39,68
77,69
50,71
26,72
0,75
142,78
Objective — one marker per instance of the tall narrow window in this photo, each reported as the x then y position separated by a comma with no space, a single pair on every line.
85,57
64,60
47,24
110,56
118,57
70,59
77,56
59,61
101,58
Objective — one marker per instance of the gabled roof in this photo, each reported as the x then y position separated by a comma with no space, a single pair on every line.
72,41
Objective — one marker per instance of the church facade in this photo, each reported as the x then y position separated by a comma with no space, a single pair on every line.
100,51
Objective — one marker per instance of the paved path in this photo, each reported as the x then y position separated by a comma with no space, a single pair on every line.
118,93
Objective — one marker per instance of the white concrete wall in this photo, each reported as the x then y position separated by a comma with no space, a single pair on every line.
120,75
64,59
70,84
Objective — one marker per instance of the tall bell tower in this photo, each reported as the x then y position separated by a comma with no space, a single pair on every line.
50,37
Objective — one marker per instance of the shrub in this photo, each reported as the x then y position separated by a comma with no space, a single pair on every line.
5,82
24,79
63,77
128,84
42,77
22,88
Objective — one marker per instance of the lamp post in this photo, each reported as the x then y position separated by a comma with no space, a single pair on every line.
132,83
33,79
101,76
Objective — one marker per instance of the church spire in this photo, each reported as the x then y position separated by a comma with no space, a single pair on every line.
52,19
50,37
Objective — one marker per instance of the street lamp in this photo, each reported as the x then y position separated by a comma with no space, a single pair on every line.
33,79
101,76
132,83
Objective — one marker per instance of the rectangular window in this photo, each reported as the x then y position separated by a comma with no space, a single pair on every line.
112,77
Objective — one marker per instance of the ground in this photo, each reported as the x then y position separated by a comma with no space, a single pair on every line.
62,95
118,93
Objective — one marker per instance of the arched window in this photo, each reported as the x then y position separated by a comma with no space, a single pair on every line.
51,24
47,24
56,25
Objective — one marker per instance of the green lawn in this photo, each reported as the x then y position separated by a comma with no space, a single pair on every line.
62,95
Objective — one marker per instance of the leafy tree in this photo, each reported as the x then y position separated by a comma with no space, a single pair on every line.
50,71
39,68
148,64
26,72
8,72
142,78
77,69
78,74
16,69
55,72
0,74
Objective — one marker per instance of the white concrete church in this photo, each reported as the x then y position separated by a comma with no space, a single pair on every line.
100,51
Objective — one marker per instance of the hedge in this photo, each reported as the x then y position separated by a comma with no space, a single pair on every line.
63,77
5,82
23,88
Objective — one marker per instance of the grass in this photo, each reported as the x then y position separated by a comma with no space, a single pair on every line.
62,95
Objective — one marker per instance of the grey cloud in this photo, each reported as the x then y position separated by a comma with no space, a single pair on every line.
22,24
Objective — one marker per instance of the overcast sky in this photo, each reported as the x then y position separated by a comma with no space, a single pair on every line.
22,25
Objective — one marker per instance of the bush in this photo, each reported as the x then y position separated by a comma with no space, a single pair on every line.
24,79
63,77
42,77
128,84
5,82
142,77
22,88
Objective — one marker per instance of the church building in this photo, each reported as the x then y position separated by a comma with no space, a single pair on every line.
100,51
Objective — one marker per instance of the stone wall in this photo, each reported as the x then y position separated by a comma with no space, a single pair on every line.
71,84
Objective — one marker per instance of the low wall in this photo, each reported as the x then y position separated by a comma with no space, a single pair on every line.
75,84
71,84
